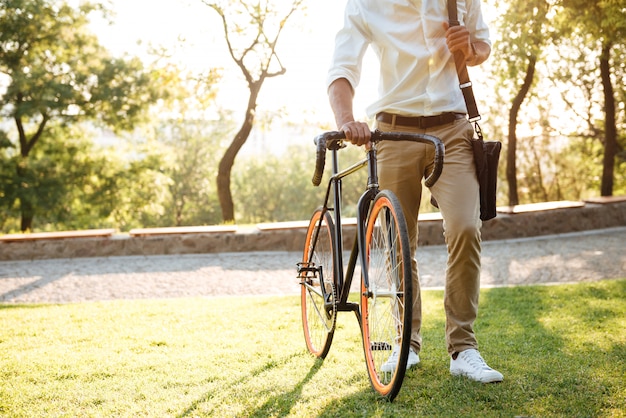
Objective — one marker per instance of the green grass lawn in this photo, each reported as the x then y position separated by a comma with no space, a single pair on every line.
562,350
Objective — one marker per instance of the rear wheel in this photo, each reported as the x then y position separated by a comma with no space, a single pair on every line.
386,295
318,293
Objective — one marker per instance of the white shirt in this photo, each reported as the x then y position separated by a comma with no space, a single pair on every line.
417,72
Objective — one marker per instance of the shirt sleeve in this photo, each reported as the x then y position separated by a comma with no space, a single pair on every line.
351,42
475,22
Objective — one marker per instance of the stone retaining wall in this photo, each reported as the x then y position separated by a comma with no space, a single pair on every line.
516,222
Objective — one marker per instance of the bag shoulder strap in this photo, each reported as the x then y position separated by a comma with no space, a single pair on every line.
461,69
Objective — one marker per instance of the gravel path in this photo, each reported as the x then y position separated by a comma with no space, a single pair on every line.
586,256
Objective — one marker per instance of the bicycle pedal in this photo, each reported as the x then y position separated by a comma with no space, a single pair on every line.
305,268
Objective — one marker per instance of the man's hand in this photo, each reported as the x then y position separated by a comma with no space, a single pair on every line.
340,94
458,40
357,133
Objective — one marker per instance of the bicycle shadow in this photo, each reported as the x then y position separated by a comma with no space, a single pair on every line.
279,405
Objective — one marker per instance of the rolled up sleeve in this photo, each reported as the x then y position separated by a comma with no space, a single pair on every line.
351,43
476,24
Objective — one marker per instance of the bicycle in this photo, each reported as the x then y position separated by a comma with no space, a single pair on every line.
382,245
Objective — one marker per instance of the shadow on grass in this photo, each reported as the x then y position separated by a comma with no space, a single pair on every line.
279,405
543,338
560,349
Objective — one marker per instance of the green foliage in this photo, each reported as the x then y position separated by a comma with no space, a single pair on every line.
160,175
526,30
184,141
566,107
278,187
71,182
603,19
59,75
142,193
190,156
602,25
58,70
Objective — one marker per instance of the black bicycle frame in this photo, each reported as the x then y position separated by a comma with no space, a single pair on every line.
333,141
342,282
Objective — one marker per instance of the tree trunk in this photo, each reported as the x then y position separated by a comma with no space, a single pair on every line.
228,160
26,145
511,167
27,215
610,129
27,211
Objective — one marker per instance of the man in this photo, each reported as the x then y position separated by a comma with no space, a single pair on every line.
419,92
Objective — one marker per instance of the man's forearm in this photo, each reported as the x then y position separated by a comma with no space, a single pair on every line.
481,50
341,94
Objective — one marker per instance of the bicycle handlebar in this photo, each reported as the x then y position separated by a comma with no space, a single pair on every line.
334,139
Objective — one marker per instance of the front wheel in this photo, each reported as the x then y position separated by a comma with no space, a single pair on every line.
318,292
386,295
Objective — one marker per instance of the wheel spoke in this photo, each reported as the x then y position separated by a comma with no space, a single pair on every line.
317,320
385,316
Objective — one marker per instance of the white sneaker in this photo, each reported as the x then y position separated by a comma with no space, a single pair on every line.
390,364
469,363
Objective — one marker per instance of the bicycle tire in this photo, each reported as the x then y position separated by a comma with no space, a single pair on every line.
386,297
319,318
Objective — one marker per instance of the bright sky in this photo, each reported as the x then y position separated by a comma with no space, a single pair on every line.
304,47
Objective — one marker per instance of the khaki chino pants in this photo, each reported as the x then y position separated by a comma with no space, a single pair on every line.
401,168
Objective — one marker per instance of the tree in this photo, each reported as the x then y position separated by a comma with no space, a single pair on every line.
57,72
189,161
601,23
185,137
524,25
252,29
72,181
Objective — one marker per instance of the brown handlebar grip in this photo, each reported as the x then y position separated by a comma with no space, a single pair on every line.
322,142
